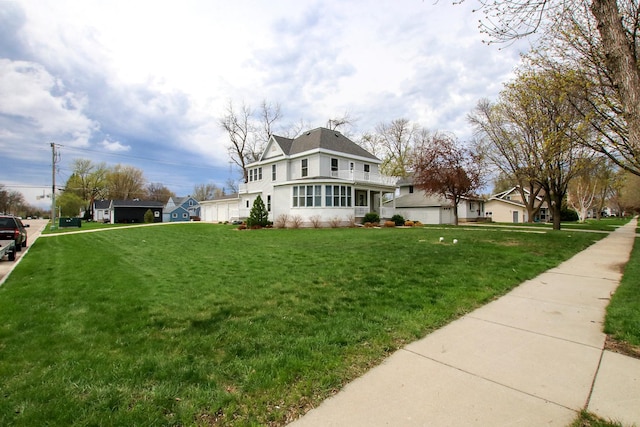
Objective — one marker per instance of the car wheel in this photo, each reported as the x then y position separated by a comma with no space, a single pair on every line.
12,256
24,244
18,247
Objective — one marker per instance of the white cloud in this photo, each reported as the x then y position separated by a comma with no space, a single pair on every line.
114,146
32,95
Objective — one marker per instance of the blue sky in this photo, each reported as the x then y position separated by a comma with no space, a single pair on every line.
143,83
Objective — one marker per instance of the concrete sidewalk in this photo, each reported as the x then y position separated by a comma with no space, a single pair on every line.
533,357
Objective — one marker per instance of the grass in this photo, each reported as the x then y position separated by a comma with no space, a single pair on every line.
586,419
623,313
86,225
199,324
603,224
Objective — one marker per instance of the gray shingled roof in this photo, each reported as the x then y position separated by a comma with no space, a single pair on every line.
322,138
137,204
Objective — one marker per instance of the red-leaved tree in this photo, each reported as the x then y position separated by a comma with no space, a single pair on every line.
446,168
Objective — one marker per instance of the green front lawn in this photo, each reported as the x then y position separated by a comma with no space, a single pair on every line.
198,324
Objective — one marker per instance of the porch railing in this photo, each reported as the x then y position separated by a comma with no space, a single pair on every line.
361,176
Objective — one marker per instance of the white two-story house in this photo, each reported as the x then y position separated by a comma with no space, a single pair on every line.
319,174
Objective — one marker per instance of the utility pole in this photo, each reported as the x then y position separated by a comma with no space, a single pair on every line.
54,160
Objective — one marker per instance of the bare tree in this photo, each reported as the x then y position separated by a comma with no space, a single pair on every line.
446,168
238,127
158,192
397,141
340,122
209,191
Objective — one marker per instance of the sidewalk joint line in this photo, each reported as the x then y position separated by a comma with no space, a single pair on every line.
489,380
564,304
579,275
536,333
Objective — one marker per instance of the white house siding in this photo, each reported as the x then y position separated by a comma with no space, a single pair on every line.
424,215
503,211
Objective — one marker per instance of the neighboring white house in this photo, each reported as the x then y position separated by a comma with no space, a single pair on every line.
413,204
319,174
508,206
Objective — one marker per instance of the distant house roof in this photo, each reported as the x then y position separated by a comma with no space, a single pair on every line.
322,138
136,203
101,204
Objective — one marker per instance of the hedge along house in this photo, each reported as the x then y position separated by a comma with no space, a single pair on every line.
319,175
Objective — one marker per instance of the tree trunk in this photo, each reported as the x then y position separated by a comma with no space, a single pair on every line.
621,61
556,210
455,213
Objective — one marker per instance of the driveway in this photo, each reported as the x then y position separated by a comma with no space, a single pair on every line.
36,226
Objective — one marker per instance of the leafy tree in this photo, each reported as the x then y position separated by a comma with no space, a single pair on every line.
258,216
601,40
70,204
630,193
445,168
502,140
89,182
125,183
532,133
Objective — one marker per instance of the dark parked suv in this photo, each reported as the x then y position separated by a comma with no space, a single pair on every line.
12,228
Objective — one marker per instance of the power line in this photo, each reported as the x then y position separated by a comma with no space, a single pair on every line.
127,156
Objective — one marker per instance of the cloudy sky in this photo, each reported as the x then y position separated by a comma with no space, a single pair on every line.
143,83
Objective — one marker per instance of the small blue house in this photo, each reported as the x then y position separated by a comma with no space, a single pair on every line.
181,209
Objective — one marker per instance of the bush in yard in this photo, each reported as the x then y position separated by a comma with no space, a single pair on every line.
258,216
389,224
371,217
409,223
148,216
567,214
398,219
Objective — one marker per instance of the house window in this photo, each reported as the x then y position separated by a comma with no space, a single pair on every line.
156,214
106,212
174,215
255,174
268,202
190,202
351,166
411,189
305,167
366,168
338,195
247,203
185,215
334,165
273,172
307,196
